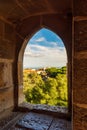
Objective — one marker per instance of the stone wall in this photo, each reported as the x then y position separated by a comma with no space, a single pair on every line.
11,68
80,65
20,82
59,25
7,51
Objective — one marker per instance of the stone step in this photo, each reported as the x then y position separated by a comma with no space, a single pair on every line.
35,121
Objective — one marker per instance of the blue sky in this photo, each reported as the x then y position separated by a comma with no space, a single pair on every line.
45,49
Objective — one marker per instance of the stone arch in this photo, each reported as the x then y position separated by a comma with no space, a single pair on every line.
28,37
20,63
24,30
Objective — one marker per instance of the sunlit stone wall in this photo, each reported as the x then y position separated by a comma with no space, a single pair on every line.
7,51
80,65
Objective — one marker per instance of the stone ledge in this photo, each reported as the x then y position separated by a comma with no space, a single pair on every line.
6,60
80,18
56,111
80,105
81,55
60,109
2,89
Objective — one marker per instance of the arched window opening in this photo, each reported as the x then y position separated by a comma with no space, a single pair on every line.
45,70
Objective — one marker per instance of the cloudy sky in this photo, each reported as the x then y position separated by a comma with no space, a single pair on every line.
44,49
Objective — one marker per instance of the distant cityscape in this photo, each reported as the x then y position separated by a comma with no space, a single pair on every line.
40,67
38,70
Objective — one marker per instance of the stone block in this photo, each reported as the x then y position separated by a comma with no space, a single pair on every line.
25,30
9,32
8,74
1,28
79,118
1,75
6,99
7,49
21,97
80,36
80,7
35,121
5,75
60,124
20,73
80,71
80,81
80,95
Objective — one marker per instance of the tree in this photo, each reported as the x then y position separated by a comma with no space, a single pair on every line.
62,88
52,90
33,87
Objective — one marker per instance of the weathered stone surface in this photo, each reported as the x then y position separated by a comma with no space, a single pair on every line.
43,107
24,30
60,124
6,85
79,81
21,97
30,16
1,28
7,49
7,54
80,95
6,117
80,36
20,82
9,32
80,71
6,74
35,121
1,75
20,73
80,66
50,108
79,118
81,55
6,99
80,7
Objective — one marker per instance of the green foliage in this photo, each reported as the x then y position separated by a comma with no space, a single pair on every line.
53,71
63,70
52,90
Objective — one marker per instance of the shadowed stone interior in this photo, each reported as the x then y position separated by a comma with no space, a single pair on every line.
34,121
19,20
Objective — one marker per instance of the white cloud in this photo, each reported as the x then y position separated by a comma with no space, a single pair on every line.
37,55
53,43
38,47
34,51
41,52
40,39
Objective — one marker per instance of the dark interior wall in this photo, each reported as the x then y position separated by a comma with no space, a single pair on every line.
80,65
61,25
12,46
7,51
